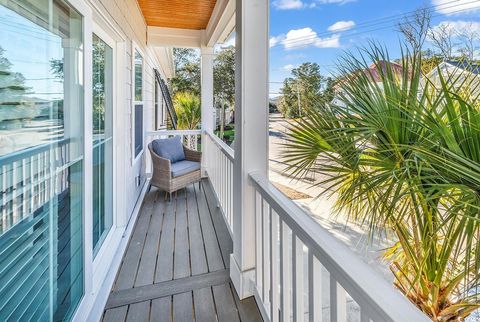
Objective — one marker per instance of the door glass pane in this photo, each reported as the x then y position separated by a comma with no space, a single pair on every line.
41,160
102,141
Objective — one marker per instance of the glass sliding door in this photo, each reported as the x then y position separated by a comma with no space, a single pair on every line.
102,141
41,160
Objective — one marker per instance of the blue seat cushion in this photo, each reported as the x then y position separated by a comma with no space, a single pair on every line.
183,167
171,149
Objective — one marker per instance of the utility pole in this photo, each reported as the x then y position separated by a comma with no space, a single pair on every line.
298,100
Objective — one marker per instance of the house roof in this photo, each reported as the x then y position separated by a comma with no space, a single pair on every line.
465,65
372,72
182,14
374,69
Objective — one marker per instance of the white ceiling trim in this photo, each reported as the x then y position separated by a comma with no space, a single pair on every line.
221,23
174,37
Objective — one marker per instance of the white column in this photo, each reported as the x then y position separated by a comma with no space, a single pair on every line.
208,119
251,133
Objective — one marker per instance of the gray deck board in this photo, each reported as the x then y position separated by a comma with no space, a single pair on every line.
214,255
225,303
117,314
223,236
128,269
149,292
164,270
204,305
161,309
183,307
138,312
182,257
197,249
175,267
146,269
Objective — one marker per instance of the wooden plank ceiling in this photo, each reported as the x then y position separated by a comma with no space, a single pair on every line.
184,14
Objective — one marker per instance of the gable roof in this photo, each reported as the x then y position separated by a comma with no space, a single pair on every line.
471,67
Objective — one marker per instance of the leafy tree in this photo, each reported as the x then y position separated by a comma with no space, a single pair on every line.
187,71
430,63
14,102
302,92
224,82
224,75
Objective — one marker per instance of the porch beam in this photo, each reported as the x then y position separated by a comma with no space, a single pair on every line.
251,133
173,37
221,23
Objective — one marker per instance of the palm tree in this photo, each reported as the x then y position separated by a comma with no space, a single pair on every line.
403,154
187,108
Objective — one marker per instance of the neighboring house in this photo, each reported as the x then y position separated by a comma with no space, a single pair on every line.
373,73
458,73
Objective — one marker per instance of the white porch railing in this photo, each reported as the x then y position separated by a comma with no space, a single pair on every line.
189,137
305,274
29,179
218,162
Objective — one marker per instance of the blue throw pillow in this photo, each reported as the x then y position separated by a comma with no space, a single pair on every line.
171,149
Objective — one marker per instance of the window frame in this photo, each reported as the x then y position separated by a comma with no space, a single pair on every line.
109,40
134,102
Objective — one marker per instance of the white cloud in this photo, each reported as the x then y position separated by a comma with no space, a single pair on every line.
335,1
305,37
288,67
276,39
288,4
449,7
457,26
342,26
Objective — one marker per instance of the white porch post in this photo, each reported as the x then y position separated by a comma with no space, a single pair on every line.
251,133
208,120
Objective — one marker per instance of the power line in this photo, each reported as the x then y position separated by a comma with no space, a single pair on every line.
299,42
374,22
395,17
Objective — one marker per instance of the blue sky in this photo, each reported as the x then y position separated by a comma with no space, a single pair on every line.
321,30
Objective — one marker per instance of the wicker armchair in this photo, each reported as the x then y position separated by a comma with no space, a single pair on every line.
163,178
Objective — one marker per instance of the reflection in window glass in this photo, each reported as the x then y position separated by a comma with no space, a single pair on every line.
102,141
138,107
138,76
41,160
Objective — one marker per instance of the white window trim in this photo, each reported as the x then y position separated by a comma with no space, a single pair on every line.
136,48
104,36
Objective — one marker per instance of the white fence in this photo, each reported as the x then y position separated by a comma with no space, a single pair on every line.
305,274
218,161
190,138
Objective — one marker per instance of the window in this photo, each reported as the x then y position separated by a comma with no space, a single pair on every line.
102,83
41,160
138,105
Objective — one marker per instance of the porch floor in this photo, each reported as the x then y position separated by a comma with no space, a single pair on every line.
176,266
